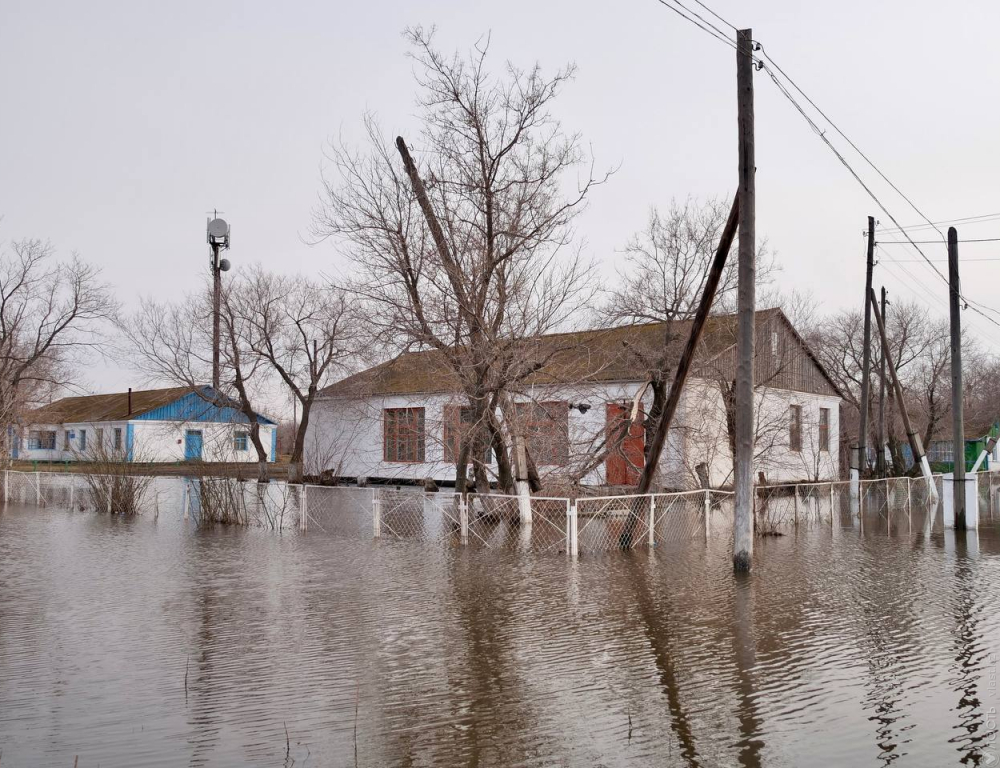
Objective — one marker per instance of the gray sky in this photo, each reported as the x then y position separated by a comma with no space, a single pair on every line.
124,123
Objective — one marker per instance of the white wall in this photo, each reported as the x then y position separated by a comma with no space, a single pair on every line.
152,441
345,435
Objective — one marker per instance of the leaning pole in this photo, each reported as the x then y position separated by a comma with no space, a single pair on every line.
743,518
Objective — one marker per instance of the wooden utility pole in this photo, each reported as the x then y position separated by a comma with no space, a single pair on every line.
957,409
866,354
687,356
916,445
880,456
745,308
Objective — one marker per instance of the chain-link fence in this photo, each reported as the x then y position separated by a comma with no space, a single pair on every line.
497,521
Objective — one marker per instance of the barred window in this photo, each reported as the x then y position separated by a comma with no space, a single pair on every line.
41,440
824,429
545,427
458,421
795,428
403,434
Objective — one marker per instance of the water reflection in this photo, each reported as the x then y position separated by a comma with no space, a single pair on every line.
151,642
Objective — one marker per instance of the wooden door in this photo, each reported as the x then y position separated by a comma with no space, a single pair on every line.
624,463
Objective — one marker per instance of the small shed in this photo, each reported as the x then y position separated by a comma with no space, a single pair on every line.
154,425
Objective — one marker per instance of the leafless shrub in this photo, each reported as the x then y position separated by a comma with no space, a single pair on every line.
112,482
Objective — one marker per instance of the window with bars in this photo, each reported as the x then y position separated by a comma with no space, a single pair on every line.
42,440
795,428
824,429
458,421
545,427
403,434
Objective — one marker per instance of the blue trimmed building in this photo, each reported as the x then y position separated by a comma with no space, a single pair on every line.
155,425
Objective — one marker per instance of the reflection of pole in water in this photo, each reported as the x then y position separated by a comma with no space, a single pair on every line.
654,623
973,717
745,656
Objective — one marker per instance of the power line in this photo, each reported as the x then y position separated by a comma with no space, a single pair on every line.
938,242
973,219
729,24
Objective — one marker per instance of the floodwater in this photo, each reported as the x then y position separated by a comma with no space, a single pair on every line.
150,642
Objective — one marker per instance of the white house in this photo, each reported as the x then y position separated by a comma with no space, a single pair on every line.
401,420
156,425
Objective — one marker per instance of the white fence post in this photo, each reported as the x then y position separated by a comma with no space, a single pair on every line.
708,513
109,497
795,504
652,520
38,489
832,503
6,486
574,542
72,492
376,513
463,518
304,508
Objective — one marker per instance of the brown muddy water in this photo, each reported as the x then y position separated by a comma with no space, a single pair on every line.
149,642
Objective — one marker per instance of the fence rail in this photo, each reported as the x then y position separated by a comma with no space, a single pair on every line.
498,521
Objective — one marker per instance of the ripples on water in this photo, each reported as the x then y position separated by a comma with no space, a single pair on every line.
142,642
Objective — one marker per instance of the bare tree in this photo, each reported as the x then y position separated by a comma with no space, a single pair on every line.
662,281
50,311
464,249
302,330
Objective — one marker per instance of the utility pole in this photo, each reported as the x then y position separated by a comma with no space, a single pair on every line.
957,410
866,353
218,239
745,307
916,445
880,456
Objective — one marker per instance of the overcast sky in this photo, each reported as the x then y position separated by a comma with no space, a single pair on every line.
123,124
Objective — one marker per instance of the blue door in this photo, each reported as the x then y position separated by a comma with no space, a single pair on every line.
192,445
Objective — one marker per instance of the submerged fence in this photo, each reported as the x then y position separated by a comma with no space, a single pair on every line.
498,521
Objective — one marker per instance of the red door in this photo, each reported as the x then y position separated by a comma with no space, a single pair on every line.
624,463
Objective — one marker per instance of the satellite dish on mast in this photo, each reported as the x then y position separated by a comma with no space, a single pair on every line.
218,229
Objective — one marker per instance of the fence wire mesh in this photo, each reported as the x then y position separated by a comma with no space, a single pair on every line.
497,521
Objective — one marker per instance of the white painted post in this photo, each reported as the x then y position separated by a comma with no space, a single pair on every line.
186,501
376,513
708,513
38,489
795,504
463,518
652,520
833,503
6,486
72,492
574,541
304,508
109,497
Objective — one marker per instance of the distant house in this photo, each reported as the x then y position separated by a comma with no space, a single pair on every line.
156,425
400,421
941,450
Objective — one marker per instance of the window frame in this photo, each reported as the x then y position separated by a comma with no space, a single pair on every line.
795,428
451,433
549,427
116,439
83,439
36,441
824,430
241,437
407,440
